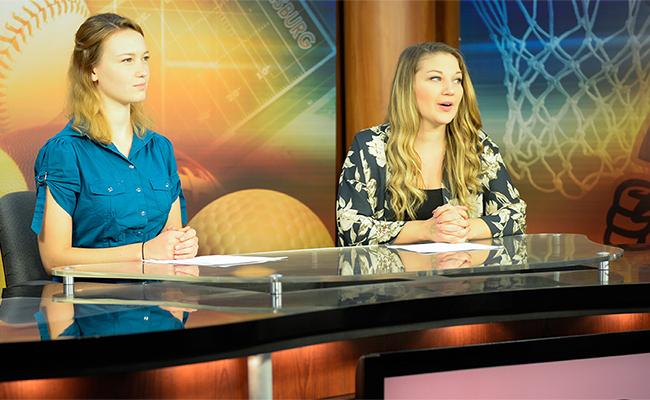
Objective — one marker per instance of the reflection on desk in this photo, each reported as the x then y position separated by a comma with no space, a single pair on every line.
42,313
57,320
521,253
379,260
91,320
104,310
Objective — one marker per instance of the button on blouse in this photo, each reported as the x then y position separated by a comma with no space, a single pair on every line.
113,200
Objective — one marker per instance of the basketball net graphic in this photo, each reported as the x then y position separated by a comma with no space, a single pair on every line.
577,92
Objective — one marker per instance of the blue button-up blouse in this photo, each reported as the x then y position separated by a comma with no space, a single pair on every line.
92,320
113,200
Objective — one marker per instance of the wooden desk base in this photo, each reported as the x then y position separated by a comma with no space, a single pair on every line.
317,371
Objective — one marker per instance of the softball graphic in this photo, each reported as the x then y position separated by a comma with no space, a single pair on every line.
36,40
256,220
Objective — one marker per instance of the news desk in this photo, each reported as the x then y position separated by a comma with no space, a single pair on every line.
309,316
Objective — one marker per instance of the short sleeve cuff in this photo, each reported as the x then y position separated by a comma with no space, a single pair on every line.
65,198
55,168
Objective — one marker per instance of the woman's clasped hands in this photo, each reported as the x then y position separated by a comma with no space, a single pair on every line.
172,244
449,224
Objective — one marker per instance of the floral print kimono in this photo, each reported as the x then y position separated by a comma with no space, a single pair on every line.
363,213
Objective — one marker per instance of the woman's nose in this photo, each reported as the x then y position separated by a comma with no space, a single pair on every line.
143,70
448,88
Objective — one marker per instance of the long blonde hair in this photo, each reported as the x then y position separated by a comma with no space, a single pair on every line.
84,99
461,165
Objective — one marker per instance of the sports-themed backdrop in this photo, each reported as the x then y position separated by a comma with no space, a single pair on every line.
244,89
564,88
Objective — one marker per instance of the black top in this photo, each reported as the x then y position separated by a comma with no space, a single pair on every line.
433,201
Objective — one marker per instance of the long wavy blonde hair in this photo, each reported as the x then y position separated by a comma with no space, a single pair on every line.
461,166
84,99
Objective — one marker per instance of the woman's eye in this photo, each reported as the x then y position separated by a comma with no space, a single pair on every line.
435,78
127,60
458,80
146,58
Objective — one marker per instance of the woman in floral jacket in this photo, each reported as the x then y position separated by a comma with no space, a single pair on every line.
429,174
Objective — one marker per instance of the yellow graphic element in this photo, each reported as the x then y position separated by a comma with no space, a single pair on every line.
242,60
36,41
11,180
252,271
258,220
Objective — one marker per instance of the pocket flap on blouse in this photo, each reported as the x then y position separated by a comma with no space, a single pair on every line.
106,188
160,184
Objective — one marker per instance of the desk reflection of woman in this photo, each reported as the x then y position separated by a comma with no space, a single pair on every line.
57,319
429,174
378,260
108,189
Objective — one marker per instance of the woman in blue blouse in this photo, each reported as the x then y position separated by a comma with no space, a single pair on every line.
108,189
429,173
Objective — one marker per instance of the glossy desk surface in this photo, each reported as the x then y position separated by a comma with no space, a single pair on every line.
329,294
521,253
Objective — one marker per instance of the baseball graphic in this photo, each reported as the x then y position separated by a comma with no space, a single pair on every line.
36,41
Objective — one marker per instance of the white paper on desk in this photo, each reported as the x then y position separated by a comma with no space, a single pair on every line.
220,261
443,247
